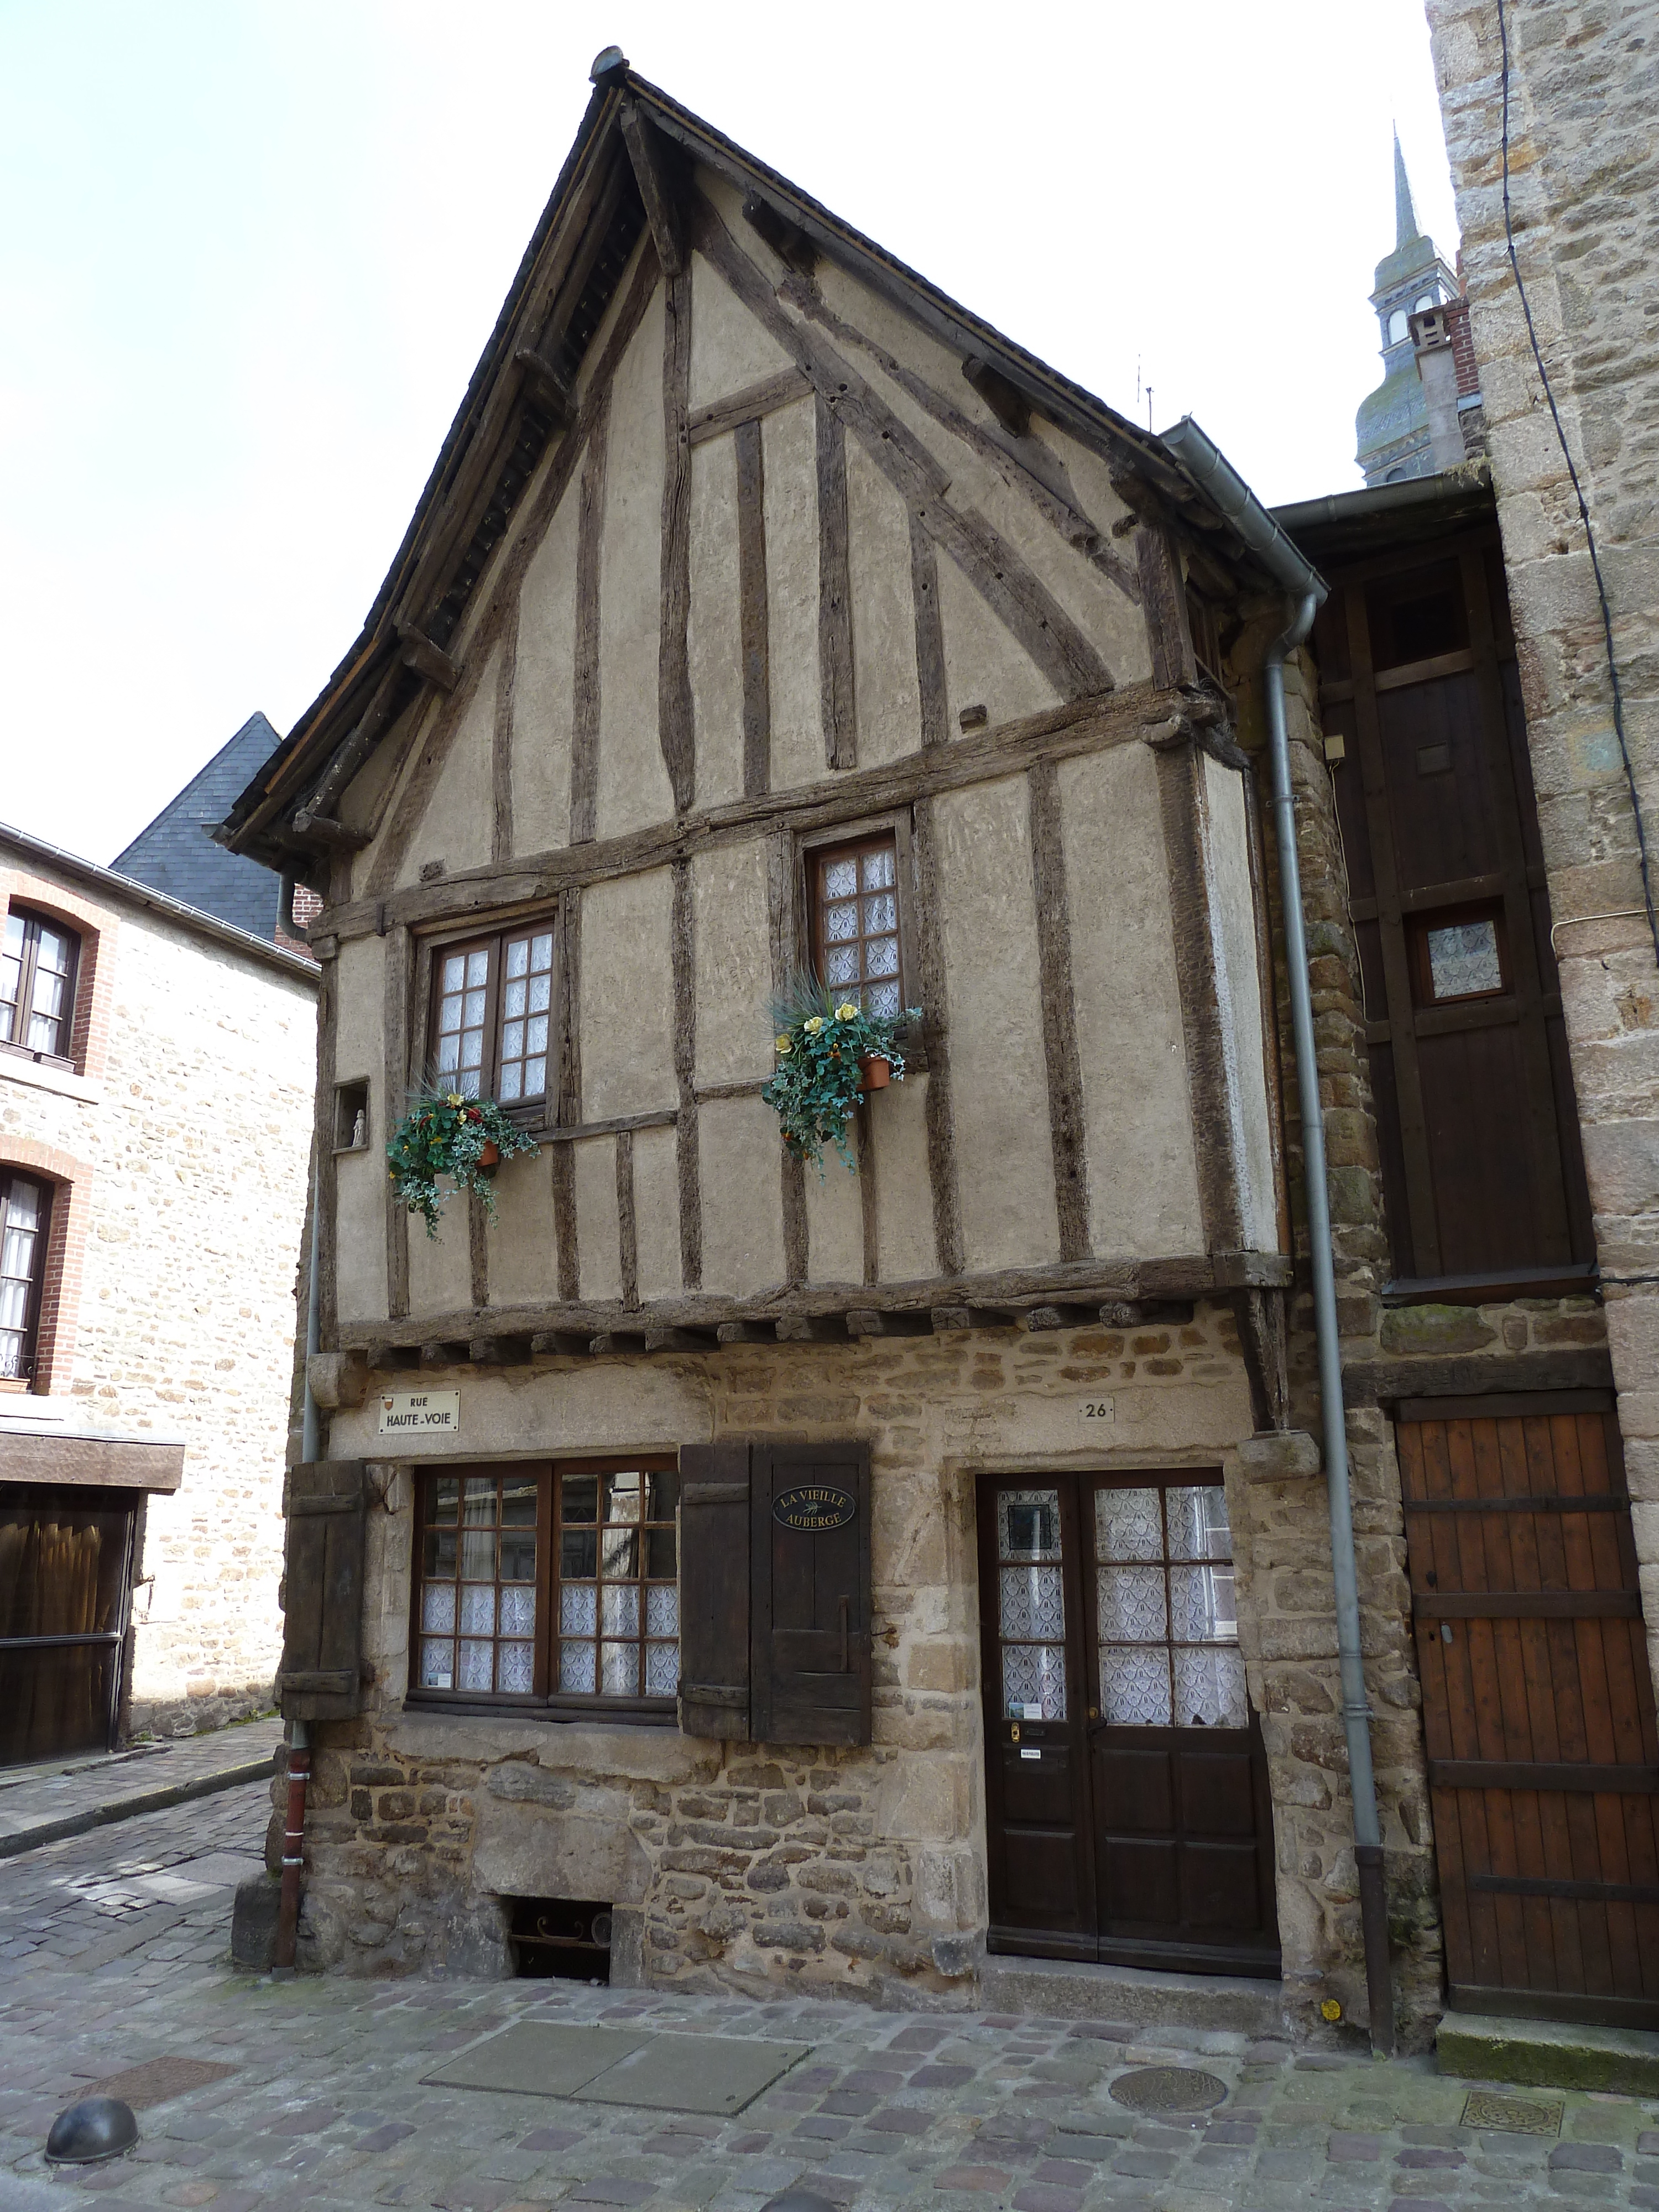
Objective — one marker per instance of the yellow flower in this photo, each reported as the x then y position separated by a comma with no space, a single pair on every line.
454,1099
783,1044
813,1025
845,1014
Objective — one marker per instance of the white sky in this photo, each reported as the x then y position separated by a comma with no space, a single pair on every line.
251,252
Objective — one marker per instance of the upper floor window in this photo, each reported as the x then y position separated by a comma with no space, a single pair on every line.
550,1583
853,892
492,1002
37,985
25,1212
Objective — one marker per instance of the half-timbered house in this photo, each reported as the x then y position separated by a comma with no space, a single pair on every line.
906,1582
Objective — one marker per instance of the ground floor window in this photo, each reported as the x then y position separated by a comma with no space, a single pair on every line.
554,1582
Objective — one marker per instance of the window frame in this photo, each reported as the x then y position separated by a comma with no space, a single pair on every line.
813,849
35,1303
33,921
541,1109
1419,927
545,1701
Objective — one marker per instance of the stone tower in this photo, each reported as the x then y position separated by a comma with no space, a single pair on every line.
1392,426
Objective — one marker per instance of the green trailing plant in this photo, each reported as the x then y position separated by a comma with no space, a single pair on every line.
822,1044
442,1133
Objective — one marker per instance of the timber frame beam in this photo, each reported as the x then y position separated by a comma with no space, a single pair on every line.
652,161
1079,1295
1139,713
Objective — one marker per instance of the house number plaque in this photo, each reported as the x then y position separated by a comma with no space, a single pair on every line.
812,1507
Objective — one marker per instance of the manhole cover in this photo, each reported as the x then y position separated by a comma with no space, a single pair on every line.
1515,2116
1168,2089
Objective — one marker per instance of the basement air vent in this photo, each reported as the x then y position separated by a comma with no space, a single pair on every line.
559,1938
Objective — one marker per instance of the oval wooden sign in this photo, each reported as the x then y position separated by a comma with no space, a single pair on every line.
813,1507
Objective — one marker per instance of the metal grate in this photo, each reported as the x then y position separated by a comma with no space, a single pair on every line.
158,2078
1168,2089
1514,2115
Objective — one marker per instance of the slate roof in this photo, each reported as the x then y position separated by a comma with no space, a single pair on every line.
176,855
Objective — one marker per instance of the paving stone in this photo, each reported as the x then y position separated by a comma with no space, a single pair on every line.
1586,2158
1156,2165
1353,2149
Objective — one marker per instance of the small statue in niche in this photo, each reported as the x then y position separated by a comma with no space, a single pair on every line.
360,1130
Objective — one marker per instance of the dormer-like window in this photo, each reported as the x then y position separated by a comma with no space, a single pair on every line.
37,985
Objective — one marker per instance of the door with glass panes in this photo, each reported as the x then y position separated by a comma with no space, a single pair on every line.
1128,1813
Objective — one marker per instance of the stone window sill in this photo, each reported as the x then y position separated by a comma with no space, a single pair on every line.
40,1075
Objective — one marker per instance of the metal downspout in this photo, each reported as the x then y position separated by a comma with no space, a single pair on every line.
1355,1712
299,1735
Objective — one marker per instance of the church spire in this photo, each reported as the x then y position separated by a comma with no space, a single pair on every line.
1405,215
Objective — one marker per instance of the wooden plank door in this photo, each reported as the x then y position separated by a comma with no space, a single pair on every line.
1182,1813
1482,1171
1538,1706
1041,1856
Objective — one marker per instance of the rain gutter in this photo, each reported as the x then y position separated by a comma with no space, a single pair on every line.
1304,590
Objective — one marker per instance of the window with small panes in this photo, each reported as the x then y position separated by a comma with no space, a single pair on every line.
492,1010
854,912
550,1584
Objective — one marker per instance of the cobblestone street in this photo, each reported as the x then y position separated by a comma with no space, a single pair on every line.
113,1949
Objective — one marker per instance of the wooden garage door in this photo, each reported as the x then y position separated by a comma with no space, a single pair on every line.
1537,1705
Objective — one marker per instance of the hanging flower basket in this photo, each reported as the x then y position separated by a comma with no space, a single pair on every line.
831,1053
445,1134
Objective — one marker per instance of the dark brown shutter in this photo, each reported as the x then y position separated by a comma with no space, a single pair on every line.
810,1597
714,1590
323,1592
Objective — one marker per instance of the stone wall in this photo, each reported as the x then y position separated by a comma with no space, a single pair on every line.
1584,189
737,1866
189,1150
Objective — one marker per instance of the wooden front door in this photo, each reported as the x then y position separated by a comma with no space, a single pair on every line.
1538,1707
1128,1812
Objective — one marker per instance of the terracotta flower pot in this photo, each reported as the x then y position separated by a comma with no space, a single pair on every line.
875,1072
491,1157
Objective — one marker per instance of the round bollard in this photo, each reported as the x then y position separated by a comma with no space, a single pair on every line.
87,2133
798,2200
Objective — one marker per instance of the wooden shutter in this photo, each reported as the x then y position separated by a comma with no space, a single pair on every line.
810,1596
322,1623
714,1590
